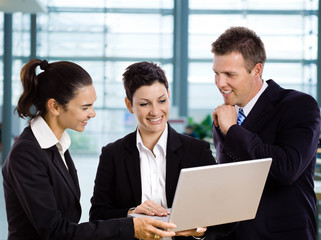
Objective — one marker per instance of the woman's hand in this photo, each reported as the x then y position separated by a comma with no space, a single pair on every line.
197,232
148,228
151,208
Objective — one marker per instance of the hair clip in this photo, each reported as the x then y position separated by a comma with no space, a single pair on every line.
44,64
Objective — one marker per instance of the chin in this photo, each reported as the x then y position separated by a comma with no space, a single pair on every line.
160,128
227,102
80,129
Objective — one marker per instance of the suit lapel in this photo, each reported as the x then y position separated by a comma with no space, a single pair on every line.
73,172
260,114
173,160
132,163
59,164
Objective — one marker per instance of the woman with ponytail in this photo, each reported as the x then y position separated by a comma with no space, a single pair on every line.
39,177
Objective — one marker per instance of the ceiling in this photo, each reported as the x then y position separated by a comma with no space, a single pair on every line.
25,6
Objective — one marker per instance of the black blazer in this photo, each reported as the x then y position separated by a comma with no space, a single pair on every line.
42,197
285,125
118,180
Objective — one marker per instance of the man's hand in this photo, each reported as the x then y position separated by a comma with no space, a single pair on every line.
197,232
224,116
148,228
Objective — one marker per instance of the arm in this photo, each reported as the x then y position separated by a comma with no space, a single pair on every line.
291,140
104,200
31,197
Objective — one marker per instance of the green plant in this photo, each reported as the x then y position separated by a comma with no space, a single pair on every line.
204,128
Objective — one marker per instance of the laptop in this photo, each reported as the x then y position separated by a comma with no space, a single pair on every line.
217,194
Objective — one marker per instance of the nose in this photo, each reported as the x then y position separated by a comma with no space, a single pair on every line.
154,111
220,81
92,113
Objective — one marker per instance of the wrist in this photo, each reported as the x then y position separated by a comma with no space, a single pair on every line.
199,238
131,210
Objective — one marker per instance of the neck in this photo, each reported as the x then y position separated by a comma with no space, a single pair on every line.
52,123
255,90
150,139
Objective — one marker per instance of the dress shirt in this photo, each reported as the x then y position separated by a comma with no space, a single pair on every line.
248,107
46,138
153,169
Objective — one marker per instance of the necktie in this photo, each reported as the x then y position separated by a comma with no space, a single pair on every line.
240,117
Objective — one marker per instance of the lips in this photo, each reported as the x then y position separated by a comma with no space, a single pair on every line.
85,122
155,120
226,92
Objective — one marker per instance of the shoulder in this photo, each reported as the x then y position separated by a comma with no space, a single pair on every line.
128,140
25,153
300,101
185,140
291,97
194,143
25,143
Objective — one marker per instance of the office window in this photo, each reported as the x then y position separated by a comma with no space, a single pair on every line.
288,29
106,36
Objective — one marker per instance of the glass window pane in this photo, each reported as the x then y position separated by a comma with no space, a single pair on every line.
147,35
254,4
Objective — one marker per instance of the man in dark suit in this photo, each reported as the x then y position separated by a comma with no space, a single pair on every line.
260,119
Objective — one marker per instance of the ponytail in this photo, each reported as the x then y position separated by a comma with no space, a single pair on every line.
29,82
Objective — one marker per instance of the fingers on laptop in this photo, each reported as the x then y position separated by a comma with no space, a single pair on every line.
147,228
196,232
151,208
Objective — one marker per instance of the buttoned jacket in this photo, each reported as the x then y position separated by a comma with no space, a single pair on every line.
42,197
284,125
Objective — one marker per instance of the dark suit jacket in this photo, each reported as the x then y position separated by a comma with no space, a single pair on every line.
285,125
42,197
118,179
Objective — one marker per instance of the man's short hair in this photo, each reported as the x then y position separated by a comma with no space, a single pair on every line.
244,41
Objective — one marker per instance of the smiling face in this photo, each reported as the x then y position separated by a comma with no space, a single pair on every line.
236,84
150,105
78,111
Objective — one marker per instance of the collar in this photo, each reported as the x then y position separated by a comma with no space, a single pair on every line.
45,137
248,107
161,143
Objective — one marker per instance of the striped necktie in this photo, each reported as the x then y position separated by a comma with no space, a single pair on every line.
240,117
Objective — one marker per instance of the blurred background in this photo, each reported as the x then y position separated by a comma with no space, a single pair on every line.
105,36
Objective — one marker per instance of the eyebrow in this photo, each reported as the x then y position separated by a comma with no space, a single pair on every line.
87,105
225,72
144,99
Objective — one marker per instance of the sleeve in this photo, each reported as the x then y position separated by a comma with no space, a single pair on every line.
28,176
292,144
104,202
222,231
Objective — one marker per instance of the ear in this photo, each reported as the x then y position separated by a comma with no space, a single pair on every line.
53,107
258,69
129,105
169,94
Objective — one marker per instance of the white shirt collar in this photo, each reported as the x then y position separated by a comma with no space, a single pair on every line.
45,137
248,107
161,143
